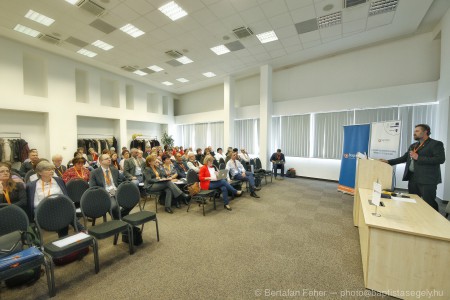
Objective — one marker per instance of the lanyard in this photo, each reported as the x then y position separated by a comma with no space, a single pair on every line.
7,196
59,170
182,166
156,172
43,187
420,146
168,171
82,173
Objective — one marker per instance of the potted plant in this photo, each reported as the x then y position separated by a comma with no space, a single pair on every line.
167,140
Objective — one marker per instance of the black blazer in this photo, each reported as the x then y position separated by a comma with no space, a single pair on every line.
150,176
427,167
61,169
96,178
31,190
18,196
274,157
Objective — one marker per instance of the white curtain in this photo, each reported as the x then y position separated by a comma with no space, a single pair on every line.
329,133
295,135
246,135
201,135
186,135
367,116
216,135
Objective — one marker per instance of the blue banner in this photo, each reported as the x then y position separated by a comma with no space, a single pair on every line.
356,139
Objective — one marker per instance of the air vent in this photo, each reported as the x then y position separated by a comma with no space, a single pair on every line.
382,6
174,63
329,20
129,68
234,46
102,26
351,3
175,54
49,39
76,42
306,26
242,32
91,7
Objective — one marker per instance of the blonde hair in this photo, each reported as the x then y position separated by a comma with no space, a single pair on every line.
207,159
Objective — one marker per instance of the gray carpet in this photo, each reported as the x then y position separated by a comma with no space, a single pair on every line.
297,240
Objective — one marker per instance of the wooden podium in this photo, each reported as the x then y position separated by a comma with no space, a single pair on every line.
369,171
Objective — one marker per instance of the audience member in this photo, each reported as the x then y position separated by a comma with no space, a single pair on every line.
219,155
132,168
114,161
193,163
238,172
28,166
125,156
199,156
181,166
57,162
77,171
244,156
278,161
92,156
169,169
11,192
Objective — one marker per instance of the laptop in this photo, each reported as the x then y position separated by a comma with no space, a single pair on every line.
222,174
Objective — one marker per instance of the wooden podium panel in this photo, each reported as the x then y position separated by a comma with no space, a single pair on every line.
369,171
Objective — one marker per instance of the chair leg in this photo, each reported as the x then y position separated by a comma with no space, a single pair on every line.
156,203
48,264
446,215
157,229
130,239
189,205
95,249
204,208
116,237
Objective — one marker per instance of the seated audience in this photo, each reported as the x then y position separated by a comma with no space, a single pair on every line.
108,178
125,156
132,168
211,151
77,171
238,172
114,161
45,186
169,169
193,163
57,162
28,165
181,166
92,156
80,150
34,176
11,192
208,181
140,157
220,155
278,161
199,156
244,156
156,181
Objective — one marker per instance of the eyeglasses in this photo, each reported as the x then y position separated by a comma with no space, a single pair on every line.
5,171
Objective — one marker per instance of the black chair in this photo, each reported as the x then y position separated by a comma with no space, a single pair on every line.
13,218
221,161
222,166
259,171
447,210
216,163
95,203
76,188
203,195
149,195
128,196
54,213
26,179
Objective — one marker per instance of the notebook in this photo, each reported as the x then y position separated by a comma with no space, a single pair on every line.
222,174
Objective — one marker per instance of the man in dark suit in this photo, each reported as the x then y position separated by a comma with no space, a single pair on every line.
180,166
423,160
59,167
278,161
33,158
109,179
132,168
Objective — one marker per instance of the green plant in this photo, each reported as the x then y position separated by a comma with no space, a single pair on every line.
167,139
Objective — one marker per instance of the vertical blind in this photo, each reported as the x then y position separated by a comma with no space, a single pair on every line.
200,135
291,134
246,135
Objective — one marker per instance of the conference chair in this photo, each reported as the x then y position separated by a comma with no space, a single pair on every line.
216,163
149,195
261,172
95,203
13,218
447,210
75,189
128,196
203,195
222,166
28,175
57,212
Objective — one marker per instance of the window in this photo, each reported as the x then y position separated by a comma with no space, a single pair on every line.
292,134
200,135
246,135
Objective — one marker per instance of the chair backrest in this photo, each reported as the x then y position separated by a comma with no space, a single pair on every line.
252,161
216,163
191,177
55,212
258,164
221,161
128,195
95,202
76,188
221,166
447,208
28,175
12,218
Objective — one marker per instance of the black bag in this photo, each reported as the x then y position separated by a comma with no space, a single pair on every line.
77,255
28,277
291,173
137,236
11,243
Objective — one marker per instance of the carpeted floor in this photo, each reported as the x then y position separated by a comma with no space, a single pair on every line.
297,240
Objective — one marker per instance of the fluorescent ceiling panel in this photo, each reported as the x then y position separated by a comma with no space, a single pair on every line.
173,11
209,74
219,50
183,80
140,73
86,53
132,30
40,18
155,68
267,37
26,30
73,2
167,83
184,60
102,45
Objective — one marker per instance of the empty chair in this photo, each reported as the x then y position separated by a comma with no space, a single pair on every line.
95,203
216,164
261,172
54,213
128,196
222,166
203,195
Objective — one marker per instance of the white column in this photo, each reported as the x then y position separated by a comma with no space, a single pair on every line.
123,139
228,109
265,115
443,131
61,141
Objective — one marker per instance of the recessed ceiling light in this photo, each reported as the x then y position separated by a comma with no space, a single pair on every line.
219,50
183,80
40,18
167,83
73,2
132,30
155,68
102,45
26,30
209,74
184,60
86,52
140,73
173,11
266,37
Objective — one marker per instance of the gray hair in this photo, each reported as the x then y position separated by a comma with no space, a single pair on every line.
43,166
55,156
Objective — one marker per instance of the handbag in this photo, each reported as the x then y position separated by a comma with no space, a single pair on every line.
11,243
193,189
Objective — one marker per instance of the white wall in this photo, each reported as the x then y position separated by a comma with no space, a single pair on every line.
247,91
60,105
203,100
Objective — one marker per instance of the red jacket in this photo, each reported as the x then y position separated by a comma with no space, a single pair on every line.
202,174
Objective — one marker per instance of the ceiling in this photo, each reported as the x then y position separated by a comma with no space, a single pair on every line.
210,23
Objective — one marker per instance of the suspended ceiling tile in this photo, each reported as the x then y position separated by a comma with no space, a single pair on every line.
274,8
280,21
252,15
303,14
